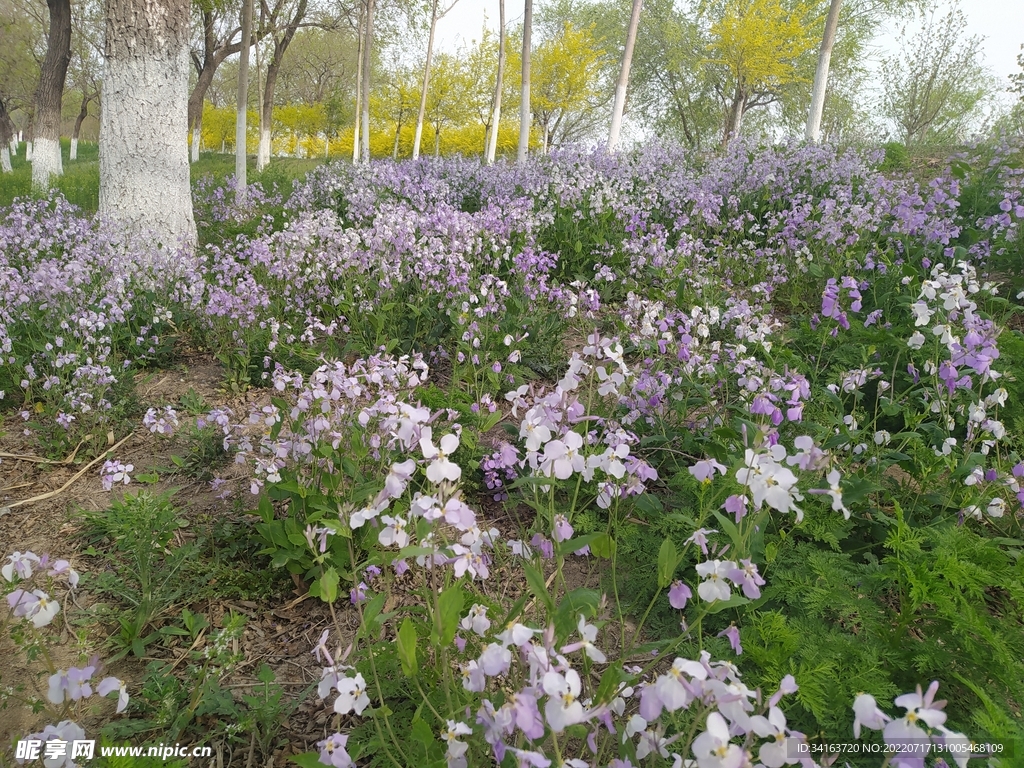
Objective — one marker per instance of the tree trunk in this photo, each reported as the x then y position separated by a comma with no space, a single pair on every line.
359,84
524,100
492,138
82,114
7,138
418,136
394,149
367,63
821,73
619,105
144,173
197,138
734,118
241,115
273,68
46,159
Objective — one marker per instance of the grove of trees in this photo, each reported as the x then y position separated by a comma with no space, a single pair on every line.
363,78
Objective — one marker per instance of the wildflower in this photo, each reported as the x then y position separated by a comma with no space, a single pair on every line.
456,754
114,472
110,684
678,594
440,467
20,564
712,748
332,751
351,695
476,620
704,470
562,529
35,606
394,532
715,572
733,635
589,634
867,713
747,578
773,727
563,708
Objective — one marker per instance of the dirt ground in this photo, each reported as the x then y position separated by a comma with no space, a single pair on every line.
279,632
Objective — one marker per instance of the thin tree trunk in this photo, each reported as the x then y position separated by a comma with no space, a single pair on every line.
197,138
734,118
144,174
367,63
241,185
82,114
7,138
492,139
273,69
394,149
418,136
813,131
524,100
622,84
46,159
359,84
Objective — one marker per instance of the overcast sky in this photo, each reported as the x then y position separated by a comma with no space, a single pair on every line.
1000,22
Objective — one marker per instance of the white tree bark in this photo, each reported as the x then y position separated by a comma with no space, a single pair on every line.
525,118
28,151
74,150
359,87
828,39
263,153
5,159
367,64
426,83
241,122
492,138
197,139
622,84
46,162
144,170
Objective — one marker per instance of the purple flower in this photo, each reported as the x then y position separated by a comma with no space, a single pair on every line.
748,579
733,635
678,594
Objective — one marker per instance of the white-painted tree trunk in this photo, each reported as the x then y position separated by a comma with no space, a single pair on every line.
197,139
263,152
144,169
492,138
241,125
525,118
28,151
5,159
367,70
418,136
828,39
14,147
73,155
622,84
46,162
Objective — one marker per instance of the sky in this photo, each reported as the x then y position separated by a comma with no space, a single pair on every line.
1000,22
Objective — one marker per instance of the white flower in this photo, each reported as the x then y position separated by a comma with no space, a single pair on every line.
563,708
715,572
476,620
996,507
351,695
773,752
456,754
916,341
394,533
712,748
440,467
867,713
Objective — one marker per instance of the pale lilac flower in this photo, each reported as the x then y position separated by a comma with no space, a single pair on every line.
920,708
700,538
473,677
114,472
867,713
704,470
562,530
476,620
715,572
332,751
456,754
786,685
748,579
678,594
712,748
394,532
65,731
36,606
495,660
563,708
20,564
110,684
733,635
772,752
589,634
61,567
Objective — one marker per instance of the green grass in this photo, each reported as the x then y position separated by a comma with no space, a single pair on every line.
81,180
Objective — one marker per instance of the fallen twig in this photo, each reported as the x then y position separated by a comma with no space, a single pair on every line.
69,483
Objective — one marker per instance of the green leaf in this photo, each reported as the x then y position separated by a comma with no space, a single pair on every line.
649,503
535,580
730,529
577,543
372,610
329,585
668,559
449,605
307,760
407,648
421,732
603,546
609,684
733,602
579,601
